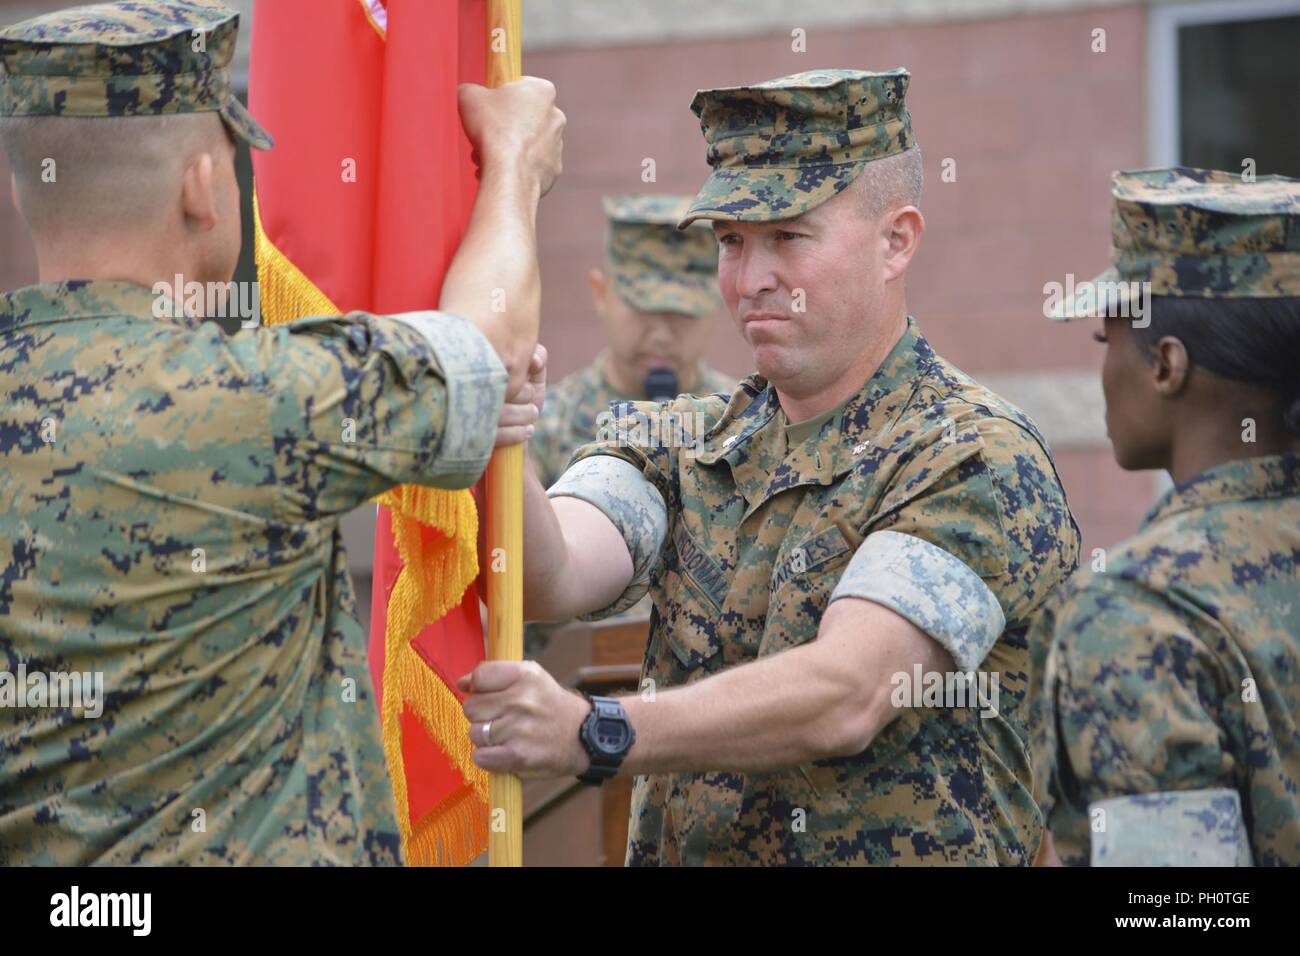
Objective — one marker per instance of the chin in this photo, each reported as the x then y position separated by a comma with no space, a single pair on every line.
774,364
1130,459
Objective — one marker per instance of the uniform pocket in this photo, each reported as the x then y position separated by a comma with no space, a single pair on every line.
690,623
801,585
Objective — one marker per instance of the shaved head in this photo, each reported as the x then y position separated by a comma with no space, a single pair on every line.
890,183
103,174
140,198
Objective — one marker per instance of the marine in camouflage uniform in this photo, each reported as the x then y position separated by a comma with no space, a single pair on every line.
1165,710
169,507
655,268
924,492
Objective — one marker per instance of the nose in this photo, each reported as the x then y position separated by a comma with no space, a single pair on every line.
755,275
658,333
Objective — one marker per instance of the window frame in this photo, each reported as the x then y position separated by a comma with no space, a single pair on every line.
1163,23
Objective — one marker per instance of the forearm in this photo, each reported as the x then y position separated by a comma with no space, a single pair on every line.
494,280
778,711
827,698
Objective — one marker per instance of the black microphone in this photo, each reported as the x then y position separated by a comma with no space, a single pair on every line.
661,384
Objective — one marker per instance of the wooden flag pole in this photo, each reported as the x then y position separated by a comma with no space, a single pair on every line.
505,513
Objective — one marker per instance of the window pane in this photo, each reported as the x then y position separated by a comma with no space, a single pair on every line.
1239,95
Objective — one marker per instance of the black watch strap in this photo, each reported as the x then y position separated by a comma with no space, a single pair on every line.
607,736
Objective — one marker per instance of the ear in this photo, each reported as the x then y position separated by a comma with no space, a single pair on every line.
901,231
1170,367
198,195
599,284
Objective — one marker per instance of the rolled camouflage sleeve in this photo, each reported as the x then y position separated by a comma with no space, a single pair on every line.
475,382
633,505
1183,828
1128,702
360,403
631,472
929,587
986,492
635,432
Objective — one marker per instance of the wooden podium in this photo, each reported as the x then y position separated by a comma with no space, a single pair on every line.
567,823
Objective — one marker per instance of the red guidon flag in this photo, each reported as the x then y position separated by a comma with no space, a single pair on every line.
360,206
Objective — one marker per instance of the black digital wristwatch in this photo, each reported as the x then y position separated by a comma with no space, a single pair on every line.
607,735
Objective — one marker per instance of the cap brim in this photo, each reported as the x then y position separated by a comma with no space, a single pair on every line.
768,193
1086,304
242,124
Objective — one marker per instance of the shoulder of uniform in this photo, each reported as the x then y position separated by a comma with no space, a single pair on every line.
1159,557
1116,581
682,422
711,406
958,404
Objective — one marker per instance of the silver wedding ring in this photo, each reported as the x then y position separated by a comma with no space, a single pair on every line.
487,734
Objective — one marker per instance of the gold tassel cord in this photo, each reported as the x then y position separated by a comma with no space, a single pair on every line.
432,581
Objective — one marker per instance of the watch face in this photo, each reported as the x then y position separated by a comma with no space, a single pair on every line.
610,735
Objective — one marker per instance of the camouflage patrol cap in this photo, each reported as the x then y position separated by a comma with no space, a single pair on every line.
1197,233
656,267
130,58
785,146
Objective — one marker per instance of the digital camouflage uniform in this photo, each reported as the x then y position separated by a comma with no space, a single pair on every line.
950,486
655,267
169,504
1170,691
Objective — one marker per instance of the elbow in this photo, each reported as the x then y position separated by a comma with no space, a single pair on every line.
852,723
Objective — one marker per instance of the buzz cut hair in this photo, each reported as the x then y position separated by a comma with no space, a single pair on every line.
98,171
886,184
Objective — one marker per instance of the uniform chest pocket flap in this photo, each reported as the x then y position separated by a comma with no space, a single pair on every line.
695,589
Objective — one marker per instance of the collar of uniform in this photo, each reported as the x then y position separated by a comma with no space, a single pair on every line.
82,299
750,437
1249,479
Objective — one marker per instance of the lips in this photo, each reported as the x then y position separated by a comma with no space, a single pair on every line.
763,324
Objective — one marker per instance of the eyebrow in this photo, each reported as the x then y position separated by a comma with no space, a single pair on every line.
793,221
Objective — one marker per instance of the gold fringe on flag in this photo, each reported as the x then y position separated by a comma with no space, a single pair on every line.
432,581
447,834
